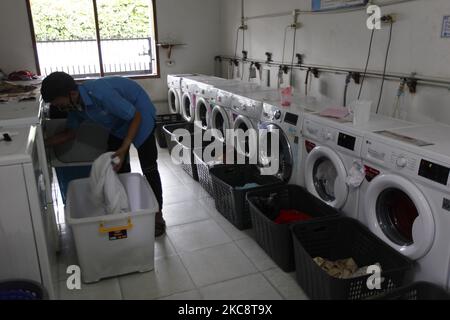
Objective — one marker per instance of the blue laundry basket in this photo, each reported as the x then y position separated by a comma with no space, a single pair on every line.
22,290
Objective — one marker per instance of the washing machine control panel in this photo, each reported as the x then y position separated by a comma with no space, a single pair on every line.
390,157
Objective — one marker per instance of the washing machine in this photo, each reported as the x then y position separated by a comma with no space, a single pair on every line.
190,90
288,121
406,196
174,92
205,92
222,117
332,167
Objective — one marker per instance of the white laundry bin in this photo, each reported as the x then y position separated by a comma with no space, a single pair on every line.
115,244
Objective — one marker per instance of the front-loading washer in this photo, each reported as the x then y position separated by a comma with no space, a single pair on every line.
406,196
174,92
332,165
288,120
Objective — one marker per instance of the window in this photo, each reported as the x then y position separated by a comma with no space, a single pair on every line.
94,38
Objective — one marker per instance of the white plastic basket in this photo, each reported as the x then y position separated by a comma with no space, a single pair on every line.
112,245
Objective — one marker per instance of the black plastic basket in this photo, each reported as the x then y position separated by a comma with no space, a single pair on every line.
172,139
22,290
416,291
340,238
189,167
204,177
276,239
229,196
162,120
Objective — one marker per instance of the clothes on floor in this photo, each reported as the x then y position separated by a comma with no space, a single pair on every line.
287,216
106,188
342,269
148,156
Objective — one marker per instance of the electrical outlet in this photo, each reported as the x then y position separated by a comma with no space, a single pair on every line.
388,18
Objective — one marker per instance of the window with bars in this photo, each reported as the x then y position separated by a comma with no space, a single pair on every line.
94,38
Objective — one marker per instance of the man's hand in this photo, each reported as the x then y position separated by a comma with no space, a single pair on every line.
60,138
120,154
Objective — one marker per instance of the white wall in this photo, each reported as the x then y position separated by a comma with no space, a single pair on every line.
341,40
193,22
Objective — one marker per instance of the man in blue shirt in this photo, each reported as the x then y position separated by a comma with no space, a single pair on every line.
119,105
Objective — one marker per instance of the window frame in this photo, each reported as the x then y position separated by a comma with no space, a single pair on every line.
98,40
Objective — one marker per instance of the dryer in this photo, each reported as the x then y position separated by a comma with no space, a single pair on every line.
406,196
331,149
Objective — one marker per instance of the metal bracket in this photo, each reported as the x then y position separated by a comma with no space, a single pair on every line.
269,57
315,72
356,76
299,57
412,85
244,55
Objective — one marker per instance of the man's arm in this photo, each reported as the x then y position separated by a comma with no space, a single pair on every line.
132,131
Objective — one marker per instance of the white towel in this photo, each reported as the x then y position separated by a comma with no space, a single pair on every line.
107,189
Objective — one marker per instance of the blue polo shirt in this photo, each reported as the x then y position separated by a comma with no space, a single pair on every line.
112,103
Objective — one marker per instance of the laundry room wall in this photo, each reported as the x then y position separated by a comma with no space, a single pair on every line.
342,39
191,22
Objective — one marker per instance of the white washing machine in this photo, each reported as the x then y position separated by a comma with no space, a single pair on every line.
331,149
405,199
222,116
189,92
174,92
205,93
288,121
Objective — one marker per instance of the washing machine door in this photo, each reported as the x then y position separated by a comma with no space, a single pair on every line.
174,101
325,176
399,214
220,122
248,144
202,113
187,104
265,157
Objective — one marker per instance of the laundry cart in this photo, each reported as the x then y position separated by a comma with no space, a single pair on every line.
114,244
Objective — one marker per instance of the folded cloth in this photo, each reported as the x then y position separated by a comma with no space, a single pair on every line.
335,112
343,269
107,189
287,216
248,186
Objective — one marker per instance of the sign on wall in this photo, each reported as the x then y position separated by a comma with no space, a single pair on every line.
320,5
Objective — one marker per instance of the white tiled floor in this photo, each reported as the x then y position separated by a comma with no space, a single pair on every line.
202,255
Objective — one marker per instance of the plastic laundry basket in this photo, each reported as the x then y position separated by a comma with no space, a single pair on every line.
416,291
162,120
22,290
111,245
341,238
276,239
230,189
173,137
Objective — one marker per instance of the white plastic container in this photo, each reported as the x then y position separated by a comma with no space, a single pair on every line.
112,245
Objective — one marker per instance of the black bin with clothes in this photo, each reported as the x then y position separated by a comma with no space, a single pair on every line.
231,184
161,121
272,229
339,238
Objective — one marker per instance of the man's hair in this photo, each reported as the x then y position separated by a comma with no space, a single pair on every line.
57,84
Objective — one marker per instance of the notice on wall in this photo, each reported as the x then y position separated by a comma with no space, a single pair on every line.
321,5
446,27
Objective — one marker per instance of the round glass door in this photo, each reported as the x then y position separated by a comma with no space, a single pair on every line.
324,177
396,214
187,107
284,156
202,113
173,101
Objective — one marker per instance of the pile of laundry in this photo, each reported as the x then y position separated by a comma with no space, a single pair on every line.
344,268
